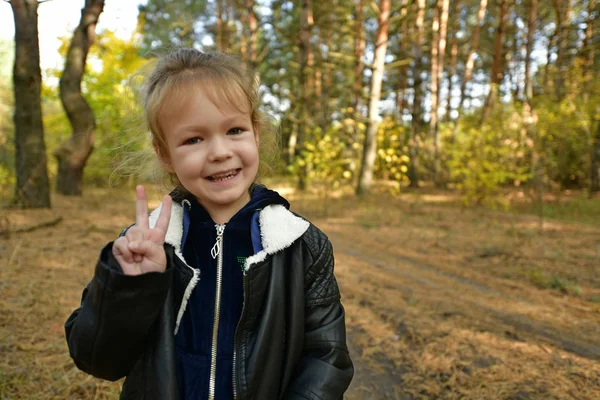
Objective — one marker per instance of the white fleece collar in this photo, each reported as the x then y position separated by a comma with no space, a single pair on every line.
279,228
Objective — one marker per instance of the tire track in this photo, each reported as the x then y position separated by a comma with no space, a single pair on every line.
540,330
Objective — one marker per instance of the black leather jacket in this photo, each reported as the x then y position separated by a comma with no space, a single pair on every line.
290,342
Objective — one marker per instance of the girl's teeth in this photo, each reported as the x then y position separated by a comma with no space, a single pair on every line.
220,178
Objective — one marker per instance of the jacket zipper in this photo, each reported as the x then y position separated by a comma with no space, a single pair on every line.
216,251
234,375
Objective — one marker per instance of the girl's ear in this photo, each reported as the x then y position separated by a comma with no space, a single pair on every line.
164,158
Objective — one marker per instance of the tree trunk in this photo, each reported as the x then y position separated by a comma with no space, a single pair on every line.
253,25
298,136
402,55
433,127
435,49
529,48
471,57
359,51
370,148
595,172
220,28
453,58
33,188
74,153
416,107
564,10
497,65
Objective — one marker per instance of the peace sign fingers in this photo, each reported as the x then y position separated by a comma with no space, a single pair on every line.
141,249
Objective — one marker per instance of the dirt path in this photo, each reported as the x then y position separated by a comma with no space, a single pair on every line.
378,276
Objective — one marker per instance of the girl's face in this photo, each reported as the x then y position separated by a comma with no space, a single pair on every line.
213,150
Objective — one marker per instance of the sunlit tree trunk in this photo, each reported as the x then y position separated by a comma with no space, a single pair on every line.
73,154
435,48
595,173
220,26
370,148
497,65
359,52
298,137
563,10
433,127
402,54
591,76
253,28
453,58
416,107
471,57
528,110
529,49
33,188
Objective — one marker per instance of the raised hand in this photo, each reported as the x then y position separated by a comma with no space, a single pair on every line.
141,249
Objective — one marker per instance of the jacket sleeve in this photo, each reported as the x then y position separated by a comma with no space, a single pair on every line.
107,334
325,369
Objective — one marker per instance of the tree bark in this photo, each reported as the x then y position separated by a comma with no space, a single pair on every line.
564,11
413,174
402,50
359,51
220,28
435,49
471,57
529,48
33,187
497,65
453,58
443,6
297,138
370,148
595,172
74,153
253,26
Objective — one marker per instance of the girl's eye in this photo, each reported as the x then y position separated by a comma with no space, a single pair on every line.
193,140
235,131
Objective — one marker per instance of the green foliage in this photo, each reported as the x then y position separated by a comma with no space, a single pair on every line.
165,24
106,86
392,159
485,158
542,280
328,157
564,130
7,161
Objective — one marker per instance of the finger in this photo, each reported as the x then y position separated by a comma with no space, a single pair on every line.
147,249
141,207
162,224
134,234
121,251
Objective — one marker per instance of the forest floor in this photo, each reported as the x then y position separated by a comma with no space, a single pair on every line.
442,301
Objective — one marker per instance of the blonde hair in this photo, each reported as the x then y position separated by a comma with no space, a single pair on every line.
225,80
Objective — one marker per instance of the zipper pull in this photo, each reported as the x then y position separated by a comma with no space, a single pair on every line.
216,249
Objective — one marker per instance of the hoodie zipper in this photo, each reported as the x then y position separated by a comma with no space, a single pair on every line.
216,252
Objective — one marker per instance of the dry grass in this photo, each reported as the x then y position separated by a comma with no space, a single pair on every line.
442,302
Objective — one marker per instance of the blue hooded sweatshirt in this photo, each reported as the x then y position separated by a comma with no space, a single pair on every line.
241,239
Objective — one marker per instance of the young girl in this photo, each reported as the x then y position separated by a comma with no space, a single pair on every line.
222,292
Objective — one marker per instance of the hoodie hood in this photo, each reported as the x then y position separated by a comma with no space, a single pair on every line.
260,197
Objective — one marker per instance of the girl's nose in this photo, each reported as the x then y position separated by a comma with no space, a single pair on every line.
219,150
